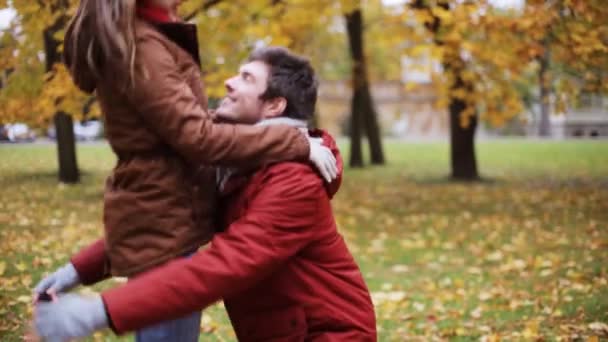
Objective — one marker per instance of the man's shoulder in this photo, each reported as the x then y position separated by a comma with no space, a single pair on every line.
296,174
292,169
290,188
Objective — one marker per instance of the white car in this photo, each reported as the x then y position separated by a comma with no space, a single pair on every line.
17,132
88,130
83,131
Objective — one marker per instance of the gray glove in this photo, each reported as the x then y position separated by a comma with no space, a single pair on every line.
64,279
323,159
70,316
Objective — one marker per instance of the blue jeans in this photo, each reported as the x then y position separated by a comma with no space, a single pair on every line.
185,329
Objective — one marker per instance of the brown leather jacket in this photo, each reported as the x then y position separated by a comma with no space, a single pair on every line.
159,201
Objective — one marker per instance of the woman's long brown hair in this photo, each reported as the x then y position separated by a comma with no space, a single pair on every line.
101,35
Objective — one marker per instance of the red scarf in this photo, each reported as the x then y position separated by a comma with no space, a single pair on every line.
153,13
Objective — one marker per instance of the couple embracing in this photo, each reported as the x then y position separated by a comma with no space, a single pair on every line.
249,184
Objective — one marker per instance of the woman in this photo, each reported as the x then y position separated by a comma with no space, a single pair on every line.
159,200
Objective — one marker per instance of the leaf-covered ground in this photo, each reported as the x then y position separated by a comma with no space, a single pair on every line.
520,256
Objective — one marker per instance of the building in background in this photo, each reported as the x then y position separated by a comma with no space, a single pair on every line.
406,108
588,119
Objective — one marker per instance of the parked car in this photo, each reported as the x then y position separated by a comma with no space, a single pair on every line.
83,131
17,132
88,130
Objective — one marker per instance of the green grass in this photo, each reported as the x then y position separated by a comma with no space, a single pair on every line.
523,254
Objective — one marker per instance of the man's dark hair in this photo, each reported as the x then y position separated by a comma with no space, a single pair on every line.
290,76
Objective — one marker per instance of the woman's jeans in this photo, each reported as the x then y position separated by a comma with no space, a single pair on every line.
184,329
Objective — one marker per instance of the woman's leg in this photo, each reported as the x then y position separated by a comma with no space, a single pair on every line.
185,329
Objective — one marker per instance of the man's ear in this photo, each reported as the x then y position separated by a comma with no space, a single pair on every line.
275,107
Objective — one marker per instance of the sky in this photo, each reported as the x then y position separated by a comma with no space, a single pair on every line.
6,14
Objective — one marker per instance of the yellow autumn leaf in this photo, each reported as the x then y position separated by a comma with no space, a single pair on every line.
21,266
490,338
24,299
531,329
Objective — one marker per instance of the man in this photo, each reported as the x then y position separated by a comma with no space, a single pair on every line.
281,267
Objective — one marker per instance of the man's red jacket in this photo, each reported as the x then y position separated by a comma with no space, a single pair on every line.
281,267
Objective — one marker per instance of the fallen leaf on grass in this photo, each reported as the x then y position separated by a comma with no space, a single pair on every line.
21,266
24,299
400,268
476,313
490,338
599,328
531,330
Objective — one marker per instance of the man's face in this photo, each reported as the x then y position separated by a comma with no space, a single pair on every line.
242,102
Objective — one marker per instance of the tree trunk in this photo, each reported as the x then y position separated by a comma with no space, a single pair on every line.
462,144
544,125
356,153
362,108
66,149
462,139
371,126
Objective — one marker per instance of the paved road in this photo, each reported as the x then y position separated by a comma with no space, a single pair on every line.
45,141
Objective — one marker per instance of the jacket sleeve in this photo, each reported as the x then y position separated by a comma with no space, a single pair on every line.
170,109
279,223
92,263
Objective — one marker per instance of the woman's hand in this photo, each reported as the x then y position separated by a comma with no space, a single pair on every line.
64,279
324,159
69,317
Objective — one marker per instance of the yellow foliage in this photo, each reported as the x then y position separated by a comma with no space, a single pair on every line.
488,51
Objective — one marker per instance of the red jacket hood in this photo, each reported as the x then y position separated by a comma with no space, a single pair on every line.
329,141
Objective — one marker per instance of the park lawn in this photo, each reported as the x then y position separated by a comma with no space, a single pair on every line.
522,255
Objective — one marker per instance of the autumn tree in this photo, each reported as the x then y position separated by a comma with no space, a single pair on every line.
38,89
486,53
569,42
363,113
446,35
480,54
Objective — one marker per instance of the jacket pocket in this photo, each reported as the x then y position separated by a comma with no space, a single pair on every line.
284,325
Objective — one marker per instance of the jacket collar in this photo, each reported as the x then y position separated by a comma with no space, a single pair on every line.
153,13
180,33
184,35
282,120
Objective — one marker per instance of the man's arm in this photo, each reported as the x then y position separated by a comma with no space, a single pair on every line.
278,224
